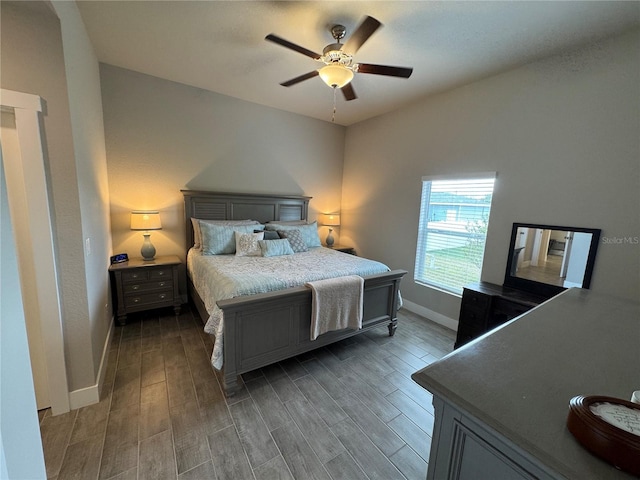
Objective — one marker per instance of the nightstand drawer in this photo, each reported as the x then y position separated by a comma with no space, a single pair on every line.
160,273
135,276
147,286
160,298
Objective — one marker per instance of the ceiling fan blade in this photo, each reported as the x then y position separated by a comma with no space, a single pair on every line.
299,79
348,92
287,44
368,26
404,72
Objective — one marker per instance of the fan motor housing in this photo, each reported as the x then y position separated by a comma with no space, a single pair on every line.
332,47
333,54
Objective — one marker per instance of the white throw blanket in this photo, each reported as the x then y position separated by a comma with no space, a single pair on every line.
336,304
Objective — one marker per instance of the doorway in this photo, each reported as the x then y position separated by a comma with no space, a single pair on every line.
27,189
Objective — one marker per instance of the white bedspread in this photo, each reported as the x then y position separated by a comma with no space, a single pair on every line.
220,277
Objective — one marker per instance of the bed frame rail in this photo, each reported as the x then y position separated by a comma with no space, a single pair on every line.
266,328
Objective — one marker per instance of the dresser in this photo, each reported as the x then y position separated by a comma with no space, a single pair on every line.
501,402
487,305
140,285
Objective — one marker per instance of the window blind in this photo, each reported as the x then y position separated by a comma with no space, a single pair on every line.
452,230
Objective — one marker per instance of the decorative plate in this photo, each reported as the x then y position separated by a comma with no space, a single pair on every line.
609,428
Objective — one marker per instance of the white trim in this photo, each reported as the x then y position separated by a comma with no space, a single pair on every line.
460,176
25,101
90,395
436,317
84,396
31,167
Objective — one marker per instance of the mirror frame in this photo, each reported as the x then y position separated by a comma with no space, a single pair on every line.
545,288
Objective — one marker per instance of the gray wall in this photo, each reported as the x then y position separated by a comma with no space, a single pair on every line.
562,134
85,105
164,136
33,61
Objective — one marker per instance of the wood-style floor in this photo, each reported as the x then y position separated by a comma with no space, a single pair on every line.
349,411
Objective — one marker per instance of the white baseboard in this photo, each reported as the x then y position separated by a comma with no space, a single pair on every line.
90,395
431,315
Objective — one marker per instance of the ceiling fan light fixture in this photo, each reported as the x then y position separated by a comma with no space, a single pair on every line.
336,75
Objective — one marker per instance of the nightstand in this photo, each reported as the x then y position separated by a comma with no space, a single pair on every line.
144,285
343,249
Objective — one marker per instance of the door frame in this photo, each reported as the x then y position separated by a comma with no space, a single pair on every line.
28,109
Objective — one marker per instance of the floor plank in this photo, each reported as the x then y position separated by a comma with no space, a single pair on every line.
229,457
188,436
82,459
315,430
156,458
300,458
120,451
253,433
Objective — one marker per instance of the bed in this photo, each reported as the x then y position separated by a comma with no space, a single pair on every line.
264,328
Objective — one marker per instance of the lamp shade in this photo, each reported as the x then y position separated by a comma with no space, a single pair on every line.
336,75
145,221
330,219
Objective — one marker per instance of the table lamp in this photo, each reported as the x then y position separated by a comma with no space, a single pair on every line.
330,220
146,221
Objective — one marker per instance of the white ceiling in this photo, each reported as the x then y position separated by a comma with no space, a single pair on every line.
220,46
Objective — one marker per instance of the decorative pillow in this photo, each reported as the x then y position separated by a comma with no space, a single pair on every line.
197,235
274,248
269,234
220,239
247,244
309,232
295,239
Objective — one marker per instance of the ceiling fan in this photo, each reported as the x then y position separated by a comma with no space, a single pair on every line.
339,67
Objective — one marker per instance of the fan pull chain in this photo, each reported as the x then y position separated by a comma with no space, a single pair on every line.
333,116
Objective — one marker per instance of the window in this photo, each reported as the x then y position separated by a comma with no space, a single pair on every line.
454,216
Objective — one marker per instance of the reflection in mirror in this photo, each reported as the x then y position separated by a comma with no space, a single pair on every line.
544,257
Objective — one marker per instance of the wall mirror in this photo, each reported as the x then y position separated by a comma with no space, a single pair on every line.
547,259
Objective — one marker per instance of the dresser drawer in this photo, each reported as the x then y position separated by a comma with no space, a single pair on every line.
473,317
160,298
147,286
475,300
504,310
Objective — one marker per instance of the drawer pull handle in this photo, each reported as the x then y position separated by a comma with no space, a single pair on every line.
136,300
135,287
134,275
160,273
161,284
162,296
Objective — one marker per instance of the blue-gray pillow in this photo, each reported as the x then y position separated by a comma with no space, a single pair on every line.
220,239
269,234
309,232
295,239
275,248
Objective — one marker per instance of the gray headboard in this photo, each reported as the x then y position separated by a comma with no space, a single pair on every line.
241,206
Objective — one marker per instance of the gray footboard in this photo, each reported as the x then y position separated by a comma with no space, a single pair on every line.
266,328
